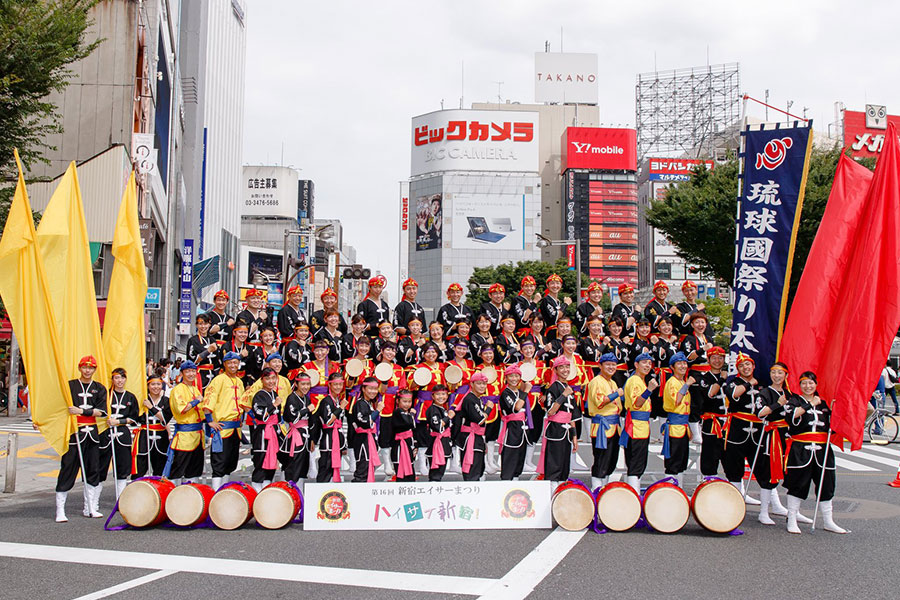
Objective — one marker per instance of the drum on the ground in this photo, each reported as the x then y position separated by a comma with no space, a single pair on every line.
572,506
384,371
313,377
718,506
666,507
354,367
618,506
453,374
422,376
143,502
188,504
277,505
529,371
232,505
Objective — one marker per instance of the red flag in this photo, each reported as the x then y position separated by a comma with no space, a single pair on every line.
847,308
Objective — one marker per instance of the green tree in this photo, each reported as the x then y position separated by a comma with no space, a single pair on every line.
39,40
510,275
699,215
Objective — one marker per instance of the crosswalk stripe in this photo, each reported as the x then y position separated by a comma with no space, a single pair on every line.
859,454
852,466
883,449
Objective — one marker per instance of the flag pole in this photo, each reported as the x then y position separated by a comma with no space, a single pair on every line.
822,476
762,436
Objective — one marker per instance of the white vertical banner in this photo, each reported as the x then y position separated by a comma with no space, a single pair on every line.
404,230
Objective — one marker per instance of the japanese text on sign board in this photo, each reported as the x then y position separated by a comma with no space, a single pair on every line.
475,131
775,162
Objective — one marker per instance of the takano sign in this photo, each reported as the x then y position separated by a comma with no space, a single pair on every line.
473,140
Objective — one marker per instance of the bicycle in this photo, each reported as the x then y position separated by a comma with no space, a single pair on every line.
882,427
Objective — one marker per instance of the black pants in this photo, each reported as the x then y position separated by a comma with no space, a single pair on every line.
187,464
797,479
476,470
361,452
512,460
122,447
155,465
259,474
326,472
636,456
225,462
678,455
737,454
295,467
492,430
70,464
712,452
557,461
605,459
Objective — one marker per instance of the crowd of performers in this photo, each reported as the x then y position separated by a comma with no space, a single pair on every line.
390,395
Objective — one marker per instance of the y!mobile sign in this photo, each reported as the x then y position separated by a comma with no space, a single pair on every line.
599,148
473,140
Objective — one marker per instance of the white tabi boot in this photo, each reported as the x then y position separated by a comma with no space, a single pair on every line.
87,500
455,461
634,482
226,478
61,507
604,481
596,482
385,455
313,465
348,462
677,479
696,433
530,466
740,486
801,518
776,507
120,486
95,501
576,464
421,463
256,486
828,517
764,500
267,483
490,464
793,509
216,483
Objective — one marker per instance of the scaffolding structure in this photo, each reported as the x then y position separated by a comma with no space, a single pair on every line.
686,111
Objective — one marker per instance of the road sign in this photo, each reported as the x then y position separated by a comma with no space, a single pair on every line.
153,298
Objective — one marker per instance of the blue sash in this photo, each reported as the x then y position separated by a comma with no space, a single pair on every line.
674,419
605,422
170,455
216,445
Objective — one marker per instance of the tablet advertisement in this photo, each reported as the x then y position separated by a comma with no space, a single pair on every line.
488,222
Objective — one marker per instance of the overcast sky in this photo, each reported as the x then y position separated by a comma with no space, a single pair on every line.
336,83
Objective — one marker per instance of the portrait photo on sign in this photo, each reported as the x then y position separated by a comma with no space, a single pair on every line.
429,215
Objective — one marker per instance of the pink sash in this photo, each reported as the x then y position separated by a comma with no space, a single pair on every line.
469,457
404,460
520,417
295,437
335,450
438,457
372,450
271,438
560,417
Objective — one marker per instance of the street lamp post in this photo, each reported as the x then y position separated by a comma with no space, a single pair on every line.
543,242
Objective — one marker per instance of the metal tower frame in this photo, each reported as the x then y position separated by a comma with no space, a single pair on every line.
685,110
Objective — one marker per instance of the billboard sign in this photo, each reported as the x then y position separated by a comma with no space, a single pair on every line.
270,192
674,169
153,299
475,140
488,222
565,77
429,222
599,148
187,283
864,131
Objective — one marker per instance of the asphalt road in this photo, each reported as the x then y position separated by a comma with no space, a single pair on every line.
80,560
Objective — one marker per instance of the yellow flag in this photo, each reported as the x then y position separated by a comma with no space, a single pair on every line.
65,250
123,328
23,285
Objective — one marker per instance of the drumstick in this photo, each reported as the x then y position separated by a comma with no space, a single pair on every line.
762,436
822,476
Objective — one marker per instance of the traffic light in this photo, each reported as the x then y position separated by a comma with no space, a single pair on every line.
356,272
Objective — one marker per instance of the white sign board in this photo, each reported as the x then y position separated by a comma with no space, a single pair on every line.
475,140
427,505
565,77
270,192
143,154
488,222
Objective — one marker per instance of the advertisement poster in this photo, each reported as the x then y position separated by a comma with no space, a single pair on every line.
427,505
429,218
489,222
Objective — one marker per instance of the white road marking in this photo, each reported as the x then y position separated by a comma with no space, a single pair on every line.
890,451
522,579
127,585
859,454
852,466
388,580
